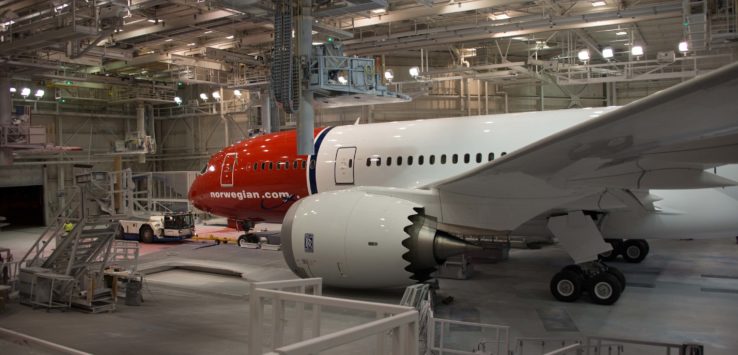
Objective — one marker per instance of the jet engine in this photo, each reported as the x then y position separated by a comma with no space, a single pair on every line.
354,239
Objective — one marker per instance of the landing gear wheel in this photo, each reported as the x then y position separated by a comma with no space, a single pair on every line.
247,238
146,234
617,249
604,288
566,286
618,275
635,250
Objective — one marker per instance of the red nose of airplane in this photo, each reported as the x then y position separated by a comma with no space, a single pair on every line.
197,193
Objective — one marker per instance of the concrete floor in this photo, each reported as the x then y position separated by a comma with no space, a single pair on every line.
685,291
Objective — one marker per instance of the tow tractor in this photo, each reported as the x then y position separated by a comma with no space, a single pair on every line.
170,226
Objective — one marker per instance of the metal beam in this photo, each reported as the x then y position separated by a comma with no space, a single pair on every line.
174,24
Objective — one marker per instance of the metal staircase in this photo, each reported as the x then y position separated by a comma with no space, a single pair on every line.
72,273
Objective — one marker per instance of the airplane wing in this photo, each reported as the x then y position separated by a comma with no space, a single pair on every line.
663,141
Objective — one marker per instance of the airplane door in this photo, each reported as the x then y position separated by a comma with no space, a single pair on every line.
344,168
227,170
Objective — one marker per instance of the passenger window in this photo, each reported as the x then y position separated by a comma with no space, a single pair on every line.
389,161
295,164
455,158
399,160
420,160
432,159
304,164
351,163
379,161
479,157
443,158
256,166
279,166
263,165
466,158
271,166
491,157
368,161
503,153
410,160
286,165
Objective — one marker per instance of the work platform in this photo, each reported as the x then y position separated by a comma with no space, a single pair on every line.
196,301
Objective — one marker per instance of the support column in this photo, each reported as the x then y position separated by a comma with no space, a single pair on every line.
266,112
226,125
306,115
6,154
141,127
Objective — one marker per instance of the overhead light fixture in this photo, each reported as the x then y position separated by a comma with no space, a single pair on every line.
191,44
208,31
342,80
178,100
583,55
204,96
414,72
621,33
152,20
389,74
229,37
216,95
39,93
25,92
237,93
683,46
317,43
607,53
379,11
60,7
598,3
168,40
636,50
499,16
13,90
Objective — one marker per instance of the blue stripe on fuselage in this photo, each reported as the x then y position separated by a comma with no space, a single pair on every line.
311,171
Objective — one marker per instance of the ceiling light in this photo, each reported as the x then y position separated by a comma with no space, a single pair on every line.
314,32
598,3
25,92
39,93
342,80
152,20
237,93
178,100
607,53
60,7
208,32
583,55
389,74
204,96
379,11
636,50
229,37
216,95
13,90
499,16
414,72
317,43
621,33
191,44
168,40
683,46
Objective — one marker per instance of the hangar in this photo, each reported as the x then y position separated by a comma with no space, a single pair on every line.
379,176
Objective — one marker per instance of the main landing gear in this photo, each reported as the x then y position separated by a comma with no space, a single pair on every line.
603,283
632,250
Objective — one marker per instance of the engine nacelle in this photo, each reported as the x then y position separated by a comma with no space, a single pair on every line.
354,239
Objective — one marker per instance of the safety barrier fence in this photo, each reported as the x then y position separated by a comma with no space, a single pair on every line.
36,345
398,323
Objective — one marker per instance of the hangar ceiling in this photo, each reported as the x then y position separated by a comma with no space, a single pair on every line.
228,42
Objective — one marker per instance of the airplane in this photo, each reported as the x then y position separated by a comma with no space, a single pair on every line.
380,205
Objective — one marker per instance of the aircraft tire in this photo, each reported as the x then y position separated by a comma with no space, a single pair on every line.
619,275
566,285
635,250
604,288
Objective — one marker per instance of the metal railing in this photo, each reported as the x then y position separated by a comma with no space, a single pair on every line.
398,322
37,344
499,343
